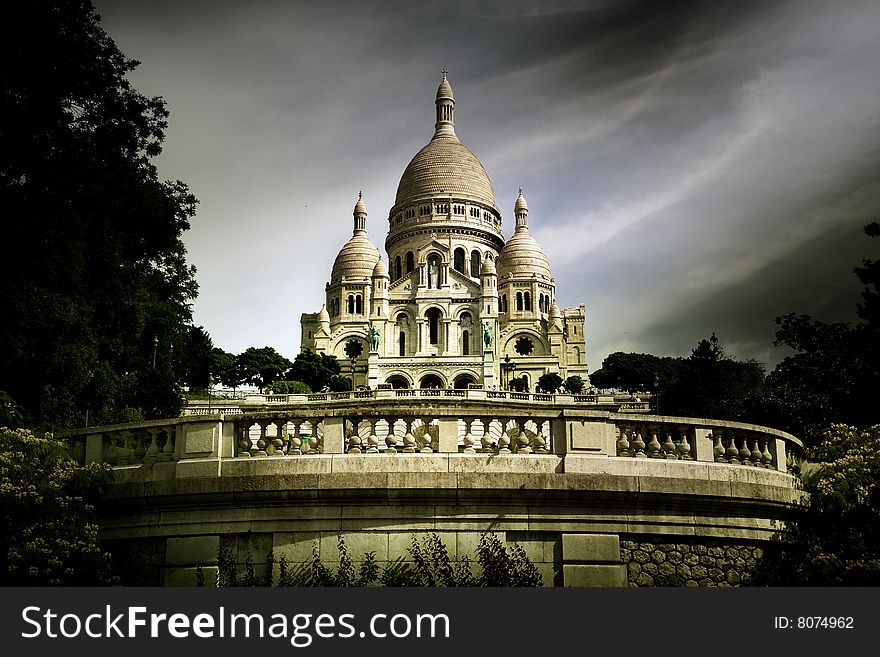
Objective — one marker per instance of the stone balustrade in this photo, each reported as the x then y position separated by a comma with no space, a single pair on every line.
431,421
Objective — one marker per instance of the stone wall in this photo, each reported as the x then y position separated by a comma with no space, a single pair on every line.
703,562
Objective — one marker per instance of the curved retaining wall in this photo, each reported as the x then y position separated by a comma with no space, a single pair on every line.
594,497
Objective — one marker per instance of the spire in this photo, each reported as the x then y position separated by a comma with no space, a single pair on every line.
360,216
445,102
521,211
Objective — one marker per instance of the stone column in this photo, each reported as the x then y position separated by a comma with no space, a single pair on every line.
334,435
448,436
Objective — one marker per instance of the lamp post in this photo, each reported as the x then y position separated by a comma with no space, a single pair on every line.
210,385
657,394
352,360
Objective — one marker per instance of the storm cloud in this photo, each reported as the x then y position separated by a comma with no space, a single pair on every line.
690,167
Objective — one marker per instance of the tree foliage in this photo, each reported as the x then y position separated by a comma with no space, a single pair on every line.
50,534
94,281
835,539
288,388
574,384
550,382
317,371
262,366
633,372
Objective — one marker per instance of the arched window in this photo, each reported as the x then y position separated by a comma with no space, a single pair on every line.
475,263
410,261
359,306
350,304
402,343
433,316
465,343
519,305
504,303
528,300
398,272
458,260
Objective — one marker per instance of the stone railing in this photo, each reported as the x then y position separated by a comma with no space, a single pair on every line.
605,401
432,421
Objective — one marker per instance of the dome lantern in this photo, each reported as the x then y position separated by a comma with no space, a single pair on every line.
445,123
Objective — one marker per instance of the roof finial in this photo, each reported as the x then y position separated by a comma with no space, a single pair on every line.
361,194
520,191
444,72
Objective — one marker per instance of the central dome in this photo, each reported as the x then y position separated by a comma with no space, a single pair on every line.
445,167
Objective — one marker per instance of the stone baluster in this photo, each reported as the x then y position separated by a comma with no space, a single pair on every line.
766,456
409,440
152,452
294,445
684,445
623,441
669,449
744,453
316,440
468,439
539,442
522,438
425,437
139,450
718,449
638,444
168,448
275,444
372,439
755,457
391,439
653,447
731,454
354,438
244,440
504,438
126,451
486,440
262,441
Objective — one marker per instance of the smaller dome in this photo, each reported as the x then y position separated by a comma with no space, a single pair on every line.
324,316
522,256
555,313
488,267
380,270
358,255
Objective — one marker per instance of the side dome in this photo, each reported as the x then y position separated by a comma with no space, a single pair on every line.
445,167
522,256
380,270
357,258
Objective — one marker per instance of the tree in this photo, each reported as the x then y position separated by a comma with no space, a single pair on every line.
710,384
835,539
835,371
262,366
94,282
197,358
632,372
574,384
50,534
550,382
317,371
518,384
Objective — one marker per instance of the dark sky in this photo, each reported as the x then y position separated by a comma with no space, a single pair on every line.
690,167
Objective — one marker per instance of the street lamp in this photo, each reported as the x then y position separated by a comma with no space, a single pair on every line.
657,394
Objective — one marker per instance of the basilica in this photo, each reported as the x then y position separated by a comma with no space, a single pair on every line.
456,306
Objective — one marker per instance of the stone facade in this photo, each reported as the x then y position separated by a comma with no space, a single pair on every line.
456,305
678,561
